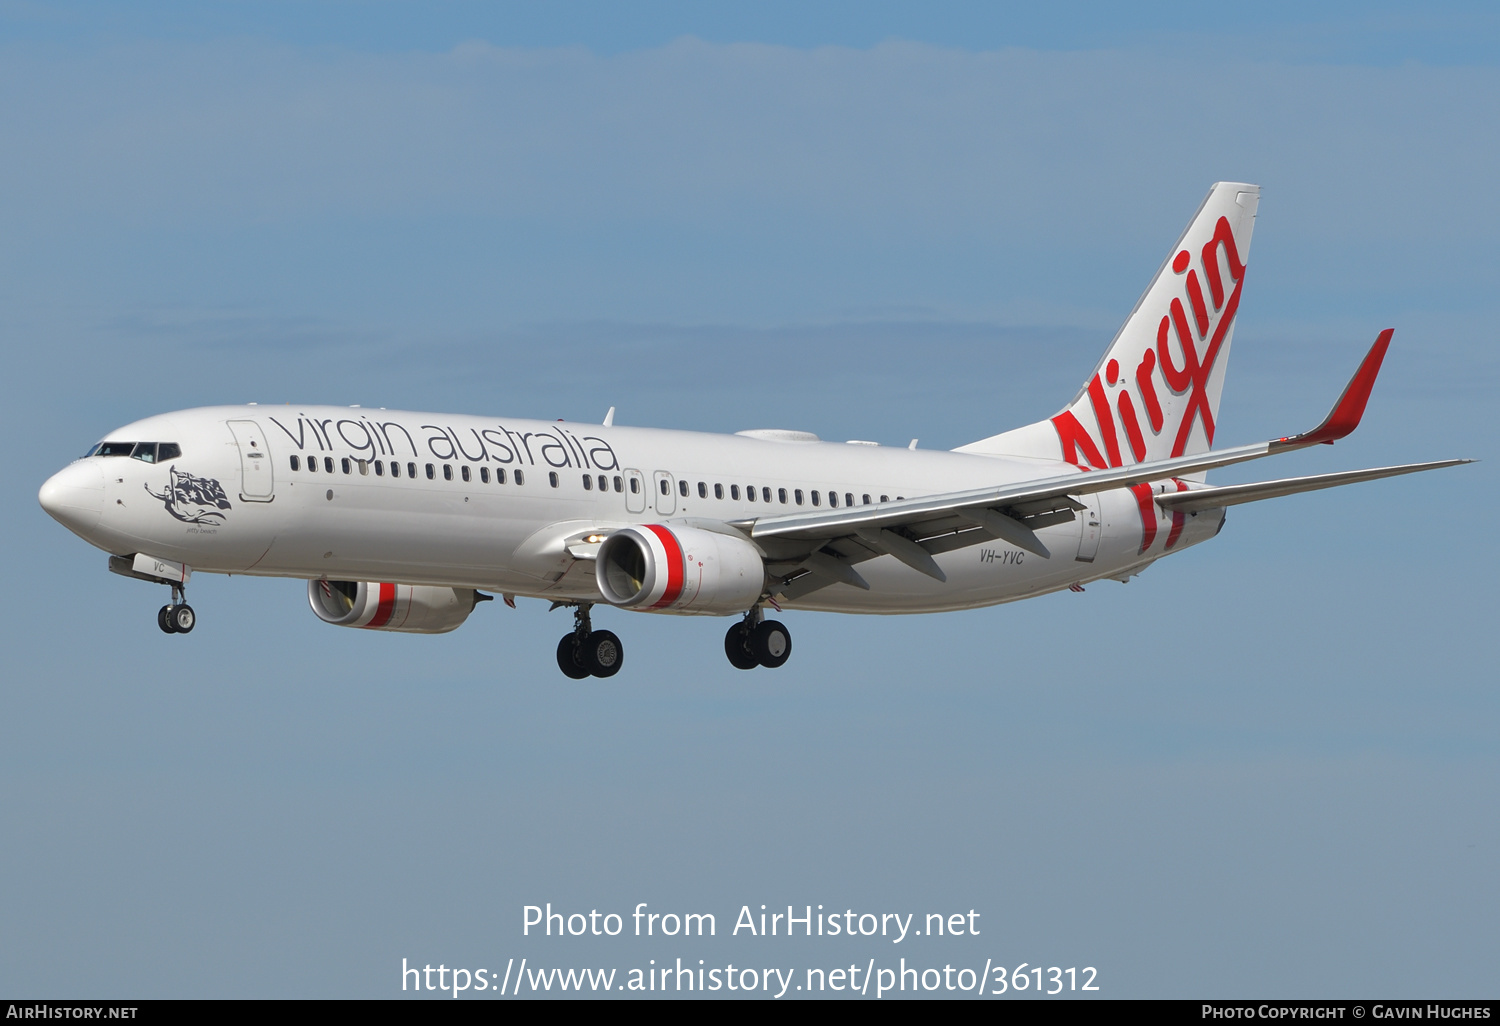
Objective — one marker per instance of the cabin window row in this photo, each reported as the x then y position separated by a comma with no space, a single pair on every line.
409,470
603,482
783,495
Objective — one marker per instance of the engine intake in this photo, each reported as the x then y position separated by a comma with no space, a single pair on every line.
408,608
679,570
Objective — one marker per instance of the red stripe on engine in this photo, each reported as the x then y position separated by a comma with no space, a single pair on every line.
386,607
675,565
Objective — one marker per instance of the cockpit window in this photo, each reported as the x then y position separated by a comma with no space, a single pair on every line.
147,452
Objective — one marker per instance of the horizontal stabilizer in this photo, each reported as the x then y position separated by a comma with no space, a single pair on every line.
1232,495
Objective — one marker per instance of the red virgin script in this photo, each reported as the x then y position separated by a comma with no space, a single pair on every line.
1199,341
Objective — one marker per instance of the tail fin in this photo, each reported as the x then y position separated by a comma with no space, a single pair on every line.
1155,395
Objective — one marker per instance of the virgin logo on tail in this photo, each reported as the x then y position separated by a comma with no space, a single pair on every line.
1182,369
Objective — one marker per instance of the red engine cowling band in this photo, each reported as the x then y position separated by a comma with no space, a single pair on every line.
679,570
409,608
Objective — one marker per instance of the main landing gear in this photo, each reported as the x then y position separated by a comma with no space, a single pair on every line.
585,652
177,617
755,642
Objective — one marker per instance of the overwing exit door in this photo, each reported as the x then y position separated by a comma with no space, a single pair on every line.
663,493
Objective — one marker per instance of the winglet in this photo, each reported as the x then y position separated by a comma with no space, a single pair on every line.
1346,413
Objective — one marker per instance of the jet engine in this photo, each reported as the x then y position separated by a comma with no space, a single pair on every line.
679,570
409,608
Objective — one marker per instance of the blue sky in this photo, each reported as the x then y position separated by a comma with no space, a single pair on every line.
1265,767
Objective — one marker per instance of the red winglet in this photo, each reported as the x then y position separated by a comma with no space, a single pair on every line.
1346,413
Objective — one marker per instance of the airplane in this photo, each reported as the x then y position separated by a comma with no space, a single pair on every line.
403,521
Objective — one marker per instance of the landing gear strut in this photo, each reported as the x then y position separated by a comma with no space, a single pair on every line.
756,642
177,617
585,652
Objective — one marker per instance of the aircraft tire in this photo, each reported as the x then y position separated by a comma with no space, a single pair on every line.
567,657
737,648
771,643
183,619
164,620
602,654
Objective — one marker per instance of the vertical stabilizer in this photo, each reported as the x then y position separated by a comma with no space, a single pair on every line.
1155,394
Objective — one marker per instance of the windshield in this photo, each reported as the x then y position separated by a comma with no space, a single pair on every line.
147,452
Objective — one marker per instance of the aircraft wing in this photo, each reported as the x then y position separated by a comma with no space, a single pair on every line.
913,530
1231,495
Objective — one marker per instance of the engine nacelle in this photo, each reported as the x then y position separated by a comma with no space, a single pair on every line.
679,570
409,608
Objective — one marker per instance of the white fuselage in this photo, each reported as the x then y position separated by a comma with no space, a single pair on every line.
448,519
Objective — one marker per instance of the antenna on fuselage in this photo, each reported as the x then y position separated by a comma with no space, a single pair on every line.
609,418
913,444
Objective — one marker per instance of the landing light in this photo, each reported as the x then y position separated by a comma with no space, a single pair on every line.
595,539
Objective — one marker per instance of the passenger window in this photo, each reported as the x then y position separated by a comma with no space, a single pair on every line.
167,451
765,493
718,491
552,478
682,488
296,463
797,494
520,478
344,464
379,468
484,475
145,452
499,475
780,495
702,490
312,464
463,472
867,498
750,492
664,488
395,469
364,467
734,492
833,498
411,470
447,472
635,485
588,482
848,498
328,464
619,483
431,475
885,498
816,498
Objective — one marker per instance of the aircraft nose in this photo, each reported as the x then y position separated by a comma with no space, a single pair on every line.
74,496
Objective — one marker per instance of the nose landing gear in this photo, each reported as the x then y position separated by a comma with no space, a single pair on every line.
177,617
585,652
755,642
